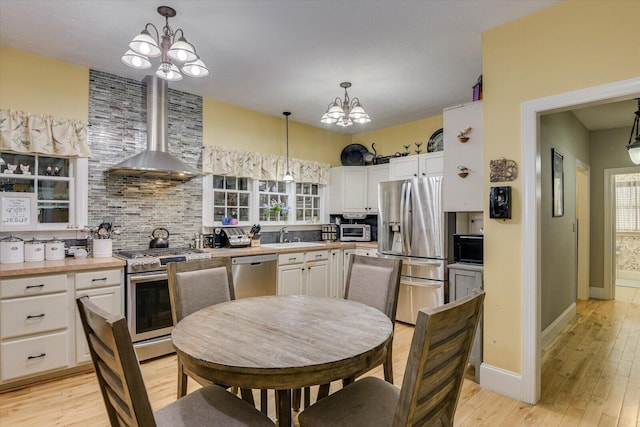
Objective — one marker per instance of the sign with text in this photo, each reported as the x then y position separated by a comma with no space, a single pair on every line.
16,211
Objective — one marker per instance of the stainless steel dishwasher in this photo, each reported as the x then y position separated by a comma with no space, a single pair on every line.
254,275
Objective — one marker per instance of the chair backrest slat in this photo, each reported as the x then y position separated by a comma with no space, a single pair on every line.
116,366
439,353
198,284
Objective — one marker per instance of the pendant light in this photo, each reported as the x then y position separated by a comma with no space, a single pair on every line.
634,139
287,176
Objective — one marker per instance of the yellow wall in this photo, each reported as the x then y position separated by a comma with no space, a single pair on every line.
569,46
393,139
229,126
40,85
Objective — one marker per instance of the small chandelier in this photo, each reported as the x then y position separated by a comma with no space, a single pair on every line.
170,50
634,141
345,113
287,176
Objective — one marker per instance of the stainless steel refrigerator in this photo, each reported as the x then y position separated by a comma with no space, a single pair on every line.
412,226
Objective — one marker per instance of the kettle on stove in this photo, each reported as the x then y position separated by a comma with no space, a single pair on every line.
160,238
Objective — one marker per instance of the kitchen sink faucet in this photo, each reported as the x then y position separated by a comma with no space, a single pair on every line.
283,231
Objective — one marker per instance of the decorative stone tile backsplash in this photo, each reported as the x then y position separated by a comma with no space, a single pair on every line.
117,131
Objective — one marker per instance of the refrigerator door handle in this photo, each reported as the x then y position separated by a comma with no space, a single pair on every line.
402,220
406,219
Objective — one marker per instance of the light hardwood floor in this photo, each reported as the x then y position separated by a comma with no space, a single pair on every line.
591,377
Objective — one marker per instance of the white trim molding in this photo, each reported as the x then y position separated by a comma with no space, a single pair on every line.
554,329
501,381
598,293
531,110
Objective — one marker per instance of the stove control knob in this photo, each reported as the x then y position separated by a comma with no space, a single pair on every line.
136,266
147,265
154,264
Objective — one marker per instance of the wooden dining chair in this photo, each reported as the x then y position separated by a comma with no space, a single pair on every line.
438,356
192,286
374,282
124,392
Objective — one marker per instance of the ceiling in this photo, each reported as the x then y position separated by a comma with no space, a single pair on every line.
407,60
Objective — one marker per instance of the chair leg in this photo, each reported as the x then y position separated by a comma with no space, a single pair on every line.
263,401
296,393
388,366
247,396
323,391
182,380
307,397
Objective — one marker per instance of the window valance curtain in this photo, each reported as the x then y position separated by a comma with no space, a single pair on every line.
246,164
23,132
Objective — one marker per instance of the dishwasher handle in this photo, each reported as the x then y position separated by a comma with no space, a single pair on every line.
253,259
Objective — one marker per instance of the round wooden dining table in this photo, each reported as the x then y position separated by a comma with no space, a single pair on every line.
282,343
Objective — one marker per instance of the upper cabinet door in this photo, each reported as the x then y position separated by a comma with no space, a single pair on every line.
403,168
463,185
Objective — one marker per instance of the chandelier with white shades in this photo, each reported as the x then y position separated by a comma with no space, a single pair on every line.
345,112
171,51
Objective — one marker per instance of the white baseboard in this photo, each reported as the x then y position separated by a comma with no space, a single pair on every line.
628,275
558,325
598,293
501,381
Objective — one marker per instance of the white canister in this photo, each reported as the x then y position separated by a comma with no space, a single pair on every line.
102,248
33,250
11,250
54,249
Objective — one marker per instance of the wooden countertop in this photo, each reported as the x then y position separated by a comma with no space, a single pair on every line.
79,264
260,250
64,265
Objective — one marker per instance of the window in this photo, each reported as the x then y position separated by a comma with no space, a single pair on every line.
273,201
269,202
307,202
231,197
50,179
628,202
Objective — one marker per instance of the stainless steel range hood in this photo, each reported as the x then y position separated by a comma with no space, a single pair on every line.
155,161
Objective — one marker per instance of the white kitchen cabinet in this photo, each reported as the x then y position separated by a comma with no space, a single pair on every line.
463,279
317,274
105,289
420,166
336,276
35,324
354,189
304,273
367,252
463,183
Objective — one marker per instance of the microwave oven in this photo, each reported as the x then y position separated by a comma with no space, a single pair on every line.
468,248
355,233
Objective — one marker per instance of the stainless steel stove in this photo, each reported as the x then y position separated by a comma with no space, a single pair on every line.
143,260
148,307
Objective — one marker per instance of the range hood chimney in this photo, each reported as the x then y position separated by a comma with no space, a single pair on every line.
155,161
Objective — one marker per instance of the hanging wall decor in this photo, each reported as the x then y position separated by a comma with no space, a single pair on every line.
503,170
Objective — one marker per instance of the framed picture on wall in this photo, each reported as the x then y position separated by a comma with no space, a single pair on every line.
557,183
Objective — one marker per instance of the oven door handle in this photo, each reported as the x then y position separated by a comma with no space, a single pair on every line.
133,278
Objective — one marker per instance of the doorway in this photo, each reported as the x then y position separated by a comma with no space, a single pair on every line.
531,216
622,225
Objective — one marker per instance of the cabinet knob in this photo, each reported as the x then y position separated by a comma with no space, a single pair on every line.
464,171
415,174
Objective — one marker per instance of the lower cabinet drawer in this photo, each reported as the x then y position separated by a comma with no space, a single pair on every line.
33,355
33,315
98,279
